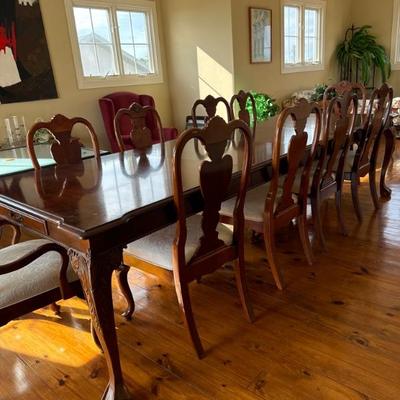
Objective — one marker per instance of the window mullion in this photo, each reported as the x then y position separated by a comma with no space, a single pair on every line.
117,42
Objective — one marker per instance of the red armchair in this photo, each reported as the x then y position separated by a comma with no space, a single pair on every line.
110,104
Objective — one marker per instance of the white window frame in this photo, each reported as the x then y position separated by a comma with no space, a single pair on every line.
302,66
394,51
92,82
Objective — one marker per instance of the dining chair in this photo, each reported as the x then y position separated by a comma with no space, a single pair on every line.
361,161
340,89
275,204
210,105
242,99
65,149
198,245
33,274
328,170
140,135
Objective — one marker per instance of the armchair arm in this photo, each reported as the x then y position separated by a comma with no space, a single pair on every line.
15,228
33,255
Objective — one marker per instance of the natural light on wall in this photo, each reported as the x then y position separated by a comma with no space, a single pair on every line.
214,79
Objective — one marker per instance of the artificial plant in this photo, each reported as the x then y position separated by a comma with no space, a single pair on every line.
266,107
359,55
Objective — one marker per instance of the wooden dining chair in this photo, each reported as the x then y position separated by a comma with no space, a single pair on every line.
242,99
275,204
66,151
361,161
199,244
343,87
33,274
210,105
65,148
328,174
141,136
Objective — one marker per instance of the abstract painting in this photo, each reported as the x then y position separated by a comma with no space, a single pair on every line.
26,73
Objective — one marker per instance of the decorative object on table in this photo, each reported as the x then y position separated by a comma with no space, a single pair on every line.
42,135
28,69
266,106
318,92
15,131
260,35
359,55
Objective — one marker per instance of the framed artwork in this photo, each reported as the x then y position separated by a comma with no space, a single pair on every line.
260,35
26,73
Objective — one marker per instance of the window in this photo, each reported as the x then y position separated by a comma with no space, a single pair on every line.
302,36
115,42
395,50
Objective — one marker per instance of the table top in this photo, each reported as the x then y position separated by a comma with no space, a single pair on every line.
91,196
17,160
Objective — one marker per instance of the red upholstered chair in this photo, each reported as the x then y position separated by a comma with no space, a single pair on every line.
110,104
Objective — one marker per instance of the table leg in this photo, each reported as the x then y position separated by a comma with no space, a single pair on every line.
389,136
94,271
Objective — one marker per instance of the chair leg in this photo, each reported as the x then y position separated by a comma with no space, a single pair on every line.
372,187
316,216
122,278
242,288
269,240
55,308
355,197
182,292
305,240
339,210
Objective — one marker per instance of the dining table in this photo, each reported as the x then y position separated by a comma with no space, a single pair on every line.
95,208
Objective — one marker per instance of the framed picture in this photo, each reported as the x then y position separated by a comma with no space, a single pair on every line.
260,35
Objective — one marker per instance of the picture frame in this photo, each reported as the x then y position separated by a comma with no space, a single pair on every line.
260,21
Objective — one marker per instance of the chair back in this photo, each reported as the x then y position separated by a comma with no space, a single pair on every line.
109,106
210,104
342,87
299,158
336,138
141,135
379,109
242,99
65,149
215,181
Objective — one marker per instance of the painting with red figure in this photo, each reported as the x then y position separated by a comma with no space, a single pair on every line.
26,73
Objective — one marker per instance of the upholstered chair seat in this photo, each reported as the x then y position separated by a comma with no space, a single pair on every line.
40,276
156,248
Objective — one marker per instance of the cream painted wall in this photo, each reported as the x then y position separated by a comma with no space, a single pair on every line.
379,15
268,77
72,101
198,37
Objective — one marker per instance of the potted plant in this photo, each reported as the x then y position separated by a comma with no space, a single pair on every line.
359,55
266,109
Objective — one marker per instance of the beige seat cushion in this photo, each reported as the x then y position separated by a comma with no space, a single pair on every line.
156,249
40,276
253,206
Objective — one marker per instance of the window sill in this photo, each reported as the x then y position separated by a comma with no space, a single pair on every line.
286,69
134,80
395,65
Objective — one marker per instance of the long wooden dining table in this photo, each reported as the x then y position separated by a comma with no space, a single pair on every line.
96,208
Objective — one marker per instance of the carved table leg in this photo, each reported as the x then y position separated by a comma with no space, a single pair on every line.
94,271
385,191
122,278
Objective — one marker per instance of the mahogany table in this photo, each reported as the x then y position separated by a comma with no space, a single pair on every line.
96,208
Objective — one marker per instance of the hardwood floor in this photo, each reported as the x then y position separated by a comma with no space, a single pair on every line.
334,333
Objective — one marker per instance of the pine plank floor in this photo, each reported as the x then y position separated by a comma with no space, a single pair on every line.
333,334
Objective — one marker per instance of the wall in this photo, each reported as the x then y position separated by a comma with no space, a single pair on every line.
378,14
198,36
268,77
72,101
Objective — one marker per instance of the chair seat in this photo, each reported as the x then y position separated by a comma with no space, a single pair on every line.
40,276
156,248
253,206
